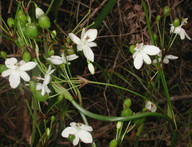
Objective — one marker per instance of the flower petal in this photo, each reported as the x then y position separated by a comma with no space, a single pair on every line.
146,58
72,57
67,131
91,44
151,49
148,105
154,108
27,66
85,136
80,47
166,60
88,53
182,34
10,62
39,86
171,57
74,38
38,12
7,72
83,33
24,76
86,128
14,79
138,61
90,35
57,60
76,140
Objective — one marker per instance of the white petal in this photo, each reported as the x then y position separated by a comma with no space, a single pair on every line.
90,35
47,79
67,131
24,76
14,79
154,108
166,60
182,34
187,36
91,68
92,44
43,90
151,49
57,60
47,90
28,66
146,58
80,47
72,57
74,38
82,33
138,61
88,53
76,140
148,105
7,72
85,136
39,86
10,62
171,57
86,128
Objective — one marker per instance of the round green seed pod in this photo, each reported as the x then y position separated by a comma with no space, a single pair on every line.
21,16
31,30
132,49
26,56
126,112
113,143
44,22
10,22
127,103
176,22
166,11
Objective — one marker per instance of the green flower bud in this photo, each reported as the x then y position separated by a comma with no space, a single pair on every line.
127,103
3,54
71,138
44,22
176,22
10,22
158,18
155,36
31,30
166,11
48,132
21,16
113,143
53,34
32,86
126,112
132,49
26,56
52,118
119,124
51,52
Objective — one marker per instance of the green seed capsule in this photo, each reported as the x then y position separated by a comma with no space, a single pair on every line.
51,52
10,22
3,54
32,86
166,11
113,143
44,22
71,138
127,103
126,112
176,22
21,16
132,49
31,30
26,56
158,18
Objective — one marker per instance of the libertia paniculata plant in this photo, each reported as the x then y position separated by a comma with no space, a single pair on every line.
44,67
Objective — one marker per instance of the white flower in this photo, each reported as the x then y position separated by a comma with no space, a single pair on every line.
46,80
86,42
80,131
57,60
142,53
38,12
150,106
179,30
17,70
91,68
165,59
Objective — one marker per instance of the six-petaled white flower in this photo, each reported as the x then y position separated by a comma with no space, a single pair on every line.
38,12
46,80
165,59
142,53
57,60
80,131
86,42
17,70
179,30
150,106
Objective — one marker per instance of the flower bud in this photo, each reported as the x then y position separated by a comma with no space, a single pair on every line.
113,143
127,103
166,11
51,52
44,22
53,34
48,132
158,18
71,137
38,12
132,49
155,36
52,118
91,68
176,22
119,125
32,86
